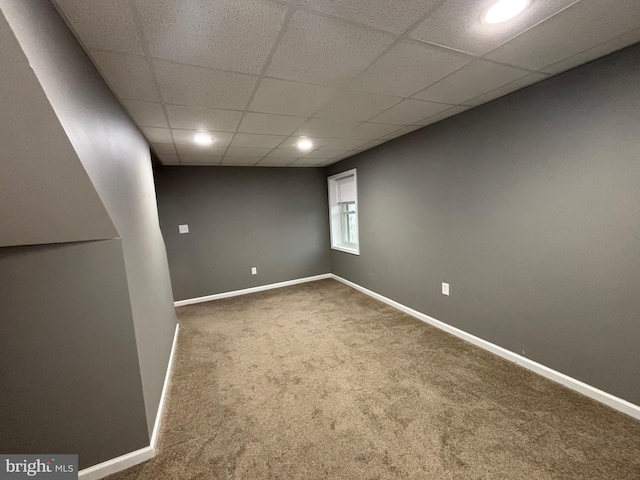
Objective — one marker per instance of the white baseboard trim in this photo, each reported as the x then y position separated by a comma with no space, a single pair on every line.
596,394
116,465
261,288
165,388
128,460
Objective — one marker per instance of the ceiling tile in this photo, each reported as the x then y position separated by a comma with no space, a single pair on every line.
308,162
128,75
146,114
342,157
408,68
198,118
169,159
324,154
470,81
157,135
247,152
184,85
269,124
325,51
164,148
576,29
276,162
289,98
394,17
239,160
232,35
201,149
344,144
103,24
371,131
596,52
409,111
289,153
402,131
292,142
506,89
200,159
258,141
355,105
329,162
442,115
373,143
321,127
185,137
458,24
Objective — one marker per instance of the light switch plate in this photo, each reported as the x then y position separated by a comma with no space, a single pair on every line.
183,228
445,288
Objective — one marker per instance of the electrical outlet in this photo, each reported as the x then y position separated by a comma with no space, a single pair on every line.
183,228
254,270
445,288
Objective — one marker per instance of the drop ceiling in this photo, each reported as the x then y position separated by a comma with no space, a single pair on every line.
347,74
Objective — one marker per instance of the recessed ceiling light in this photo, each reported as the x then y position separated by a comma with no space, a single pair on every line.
504,10
305,144
202,138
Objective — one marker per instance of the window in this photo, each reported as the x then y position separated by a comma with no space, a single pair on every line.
343,212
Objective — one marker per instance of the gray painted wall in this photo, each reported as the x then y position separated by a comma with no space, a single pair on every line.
273,218
68,362
43,201
117,159
529,206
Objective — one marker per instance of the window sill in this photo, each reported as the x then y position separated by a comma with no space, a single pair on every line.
351,250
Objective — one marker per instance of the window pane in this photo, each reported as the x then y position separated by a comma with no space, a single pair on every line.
353,225
349,222
345,227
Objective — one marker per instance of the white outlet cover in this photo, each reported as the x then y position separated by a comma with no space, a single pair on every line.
445,288
254,270
183,228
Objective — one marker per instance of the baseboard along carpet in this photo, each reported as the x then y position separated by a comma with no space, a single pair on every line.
319,381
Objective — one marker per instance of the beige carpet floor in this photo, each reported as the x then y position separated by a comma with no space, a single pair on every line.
319,381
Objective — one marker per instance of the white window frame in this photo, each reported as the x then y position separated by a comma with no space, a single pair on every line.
335,215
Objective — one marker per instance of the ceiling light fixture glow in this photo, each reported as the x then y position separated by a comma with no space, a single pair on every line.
504,10
305,144
202,138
